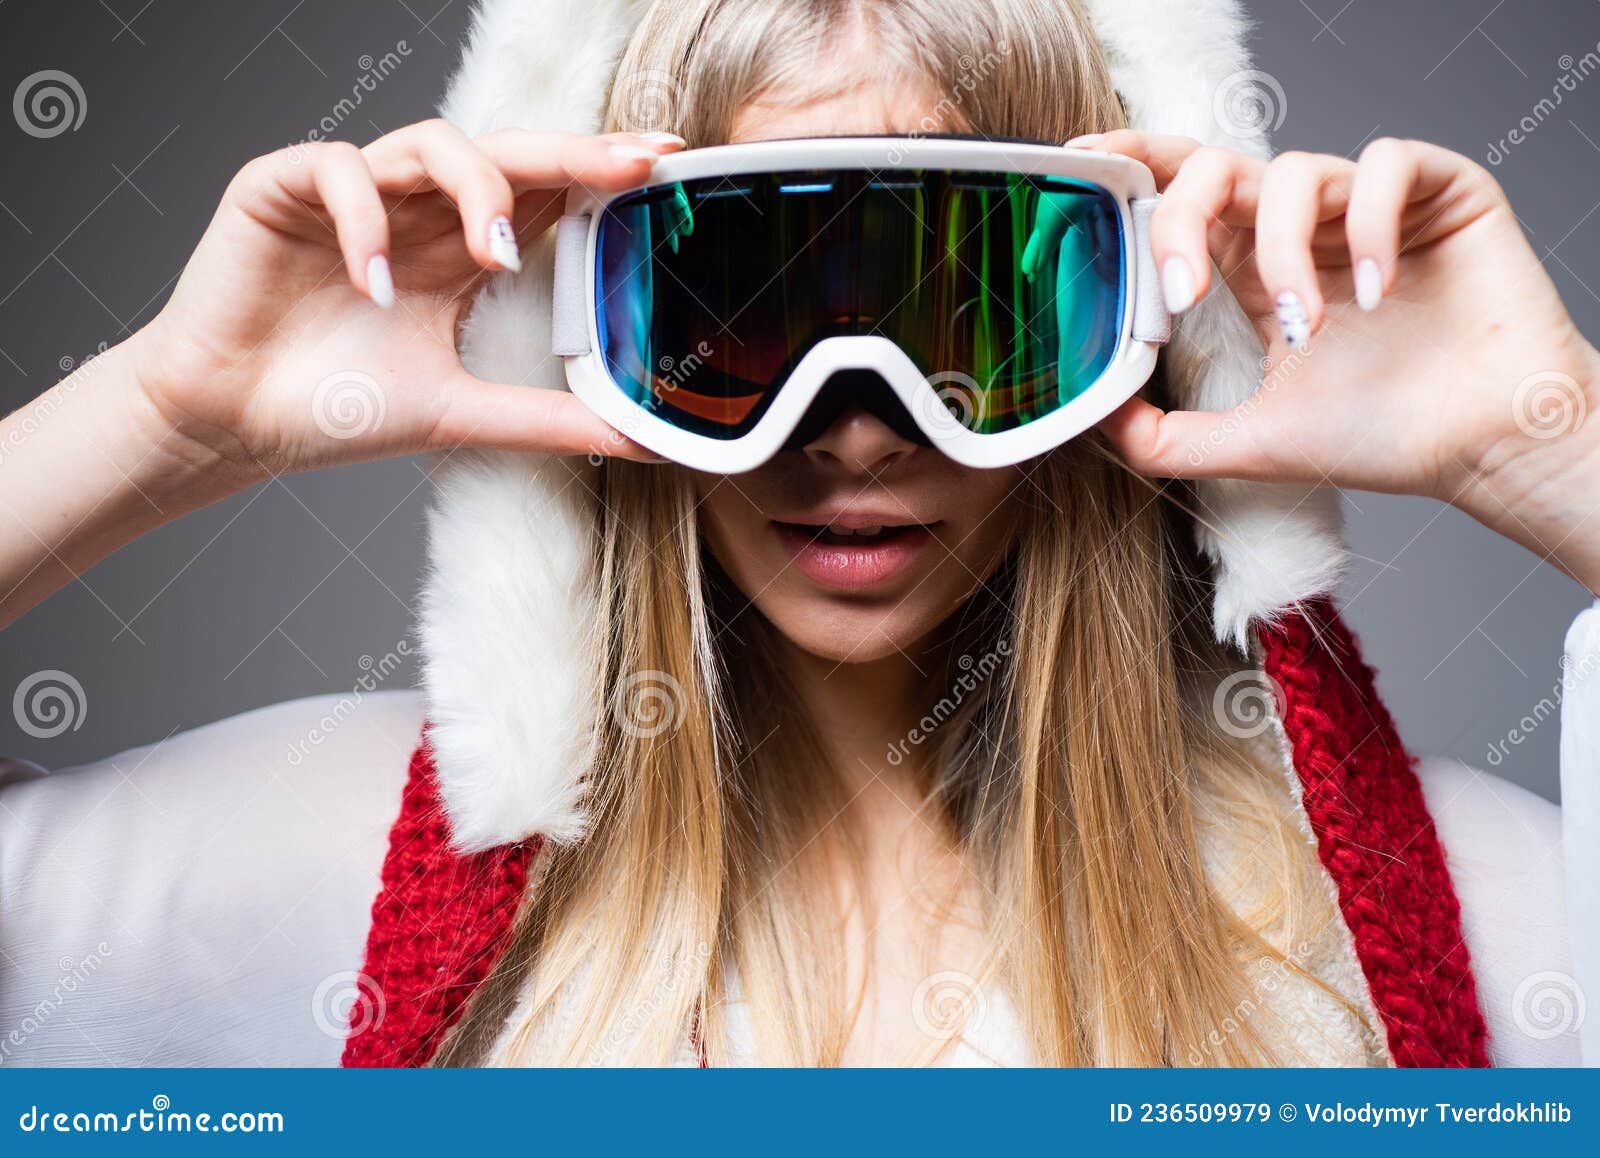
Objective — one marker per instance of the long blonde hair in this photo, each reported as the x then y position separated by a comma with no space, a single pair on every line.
1076,780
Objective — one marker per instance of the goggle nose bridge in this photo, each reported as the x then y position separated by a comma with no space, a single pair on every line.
918,398
850,387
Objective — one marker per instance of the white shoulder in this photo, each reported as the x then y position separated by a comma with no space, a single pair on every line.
1580,805
1503,847
203,900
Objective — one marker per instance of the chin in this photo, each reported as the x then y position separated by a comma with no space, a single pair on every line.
853,630
851,634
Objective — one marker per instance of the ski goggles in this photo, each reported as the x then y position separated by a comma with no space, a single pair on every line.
1000,298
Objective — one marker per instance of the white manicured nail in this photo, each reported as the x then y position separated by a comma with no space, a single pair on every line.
380,285
1177,285
503,244
1369,284
1083,141
664,138
1293,319
634,153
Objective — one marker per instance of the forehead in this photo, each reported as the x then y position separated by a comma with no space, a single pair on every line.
867,111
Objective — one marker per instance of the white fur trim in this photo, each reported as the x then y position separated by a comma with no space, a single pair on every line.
506,608
539,64
1273,544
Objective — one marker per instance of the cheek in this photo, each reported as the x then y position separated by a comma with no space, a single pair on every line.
983,521
736,533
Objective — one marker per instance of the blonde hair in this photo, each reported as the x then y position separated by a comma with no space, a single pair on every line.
1076,779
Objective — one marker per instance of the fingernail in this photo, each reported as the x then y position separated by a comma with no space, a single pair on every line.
664,138
1293,319
634,153
380,285
503,244
1081,141
1369,284
1177,285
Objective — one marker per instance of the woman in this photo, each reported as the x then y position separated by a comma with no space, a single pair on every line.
683,798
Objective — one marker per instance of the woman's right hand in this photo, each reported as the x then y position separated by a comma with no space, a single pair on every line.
288,344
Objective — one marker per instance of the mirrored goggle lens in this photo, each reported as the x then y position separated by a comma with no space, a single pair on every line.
1005,290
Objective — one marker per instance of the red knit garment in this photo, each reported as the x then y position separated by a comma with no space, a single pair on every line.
442,918
1377,841
438,924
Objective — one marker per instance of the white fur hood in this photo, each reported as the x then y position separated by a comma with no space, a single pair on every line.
505,611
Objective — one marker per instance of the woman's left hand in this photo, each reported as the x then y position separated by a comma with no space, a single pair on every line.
1414,342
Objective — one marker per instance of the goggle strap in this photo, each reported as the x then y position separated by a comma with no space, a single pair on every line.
570,312
1151,322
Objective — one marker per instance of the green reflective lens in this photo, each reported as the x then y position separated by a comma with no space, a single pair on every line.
1006,290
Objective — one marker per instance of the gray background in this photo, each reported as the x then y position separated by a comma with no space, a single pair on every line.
281,592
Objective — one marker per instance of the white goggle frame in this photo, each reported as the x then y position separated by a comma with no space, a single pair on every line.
1145,321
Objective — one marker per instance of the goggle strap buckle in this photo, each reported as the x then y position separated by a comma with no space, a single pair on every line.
1151,322
569,315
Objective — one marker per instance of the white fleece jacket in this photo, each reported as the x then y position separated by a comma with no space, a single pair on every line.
205,900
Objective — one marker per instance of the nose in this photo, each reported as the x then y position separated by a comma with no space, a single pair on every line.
860,442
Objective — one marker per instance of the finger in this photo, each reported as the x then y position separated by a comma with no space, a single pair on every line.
1212,185
539,205
1185,444
436,154
345,187
1162,154
496,416
556,160
312,189
1297,191
1390,176
537,210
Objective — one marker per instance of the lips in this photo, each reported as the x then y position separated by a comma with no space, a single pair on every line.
853,552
